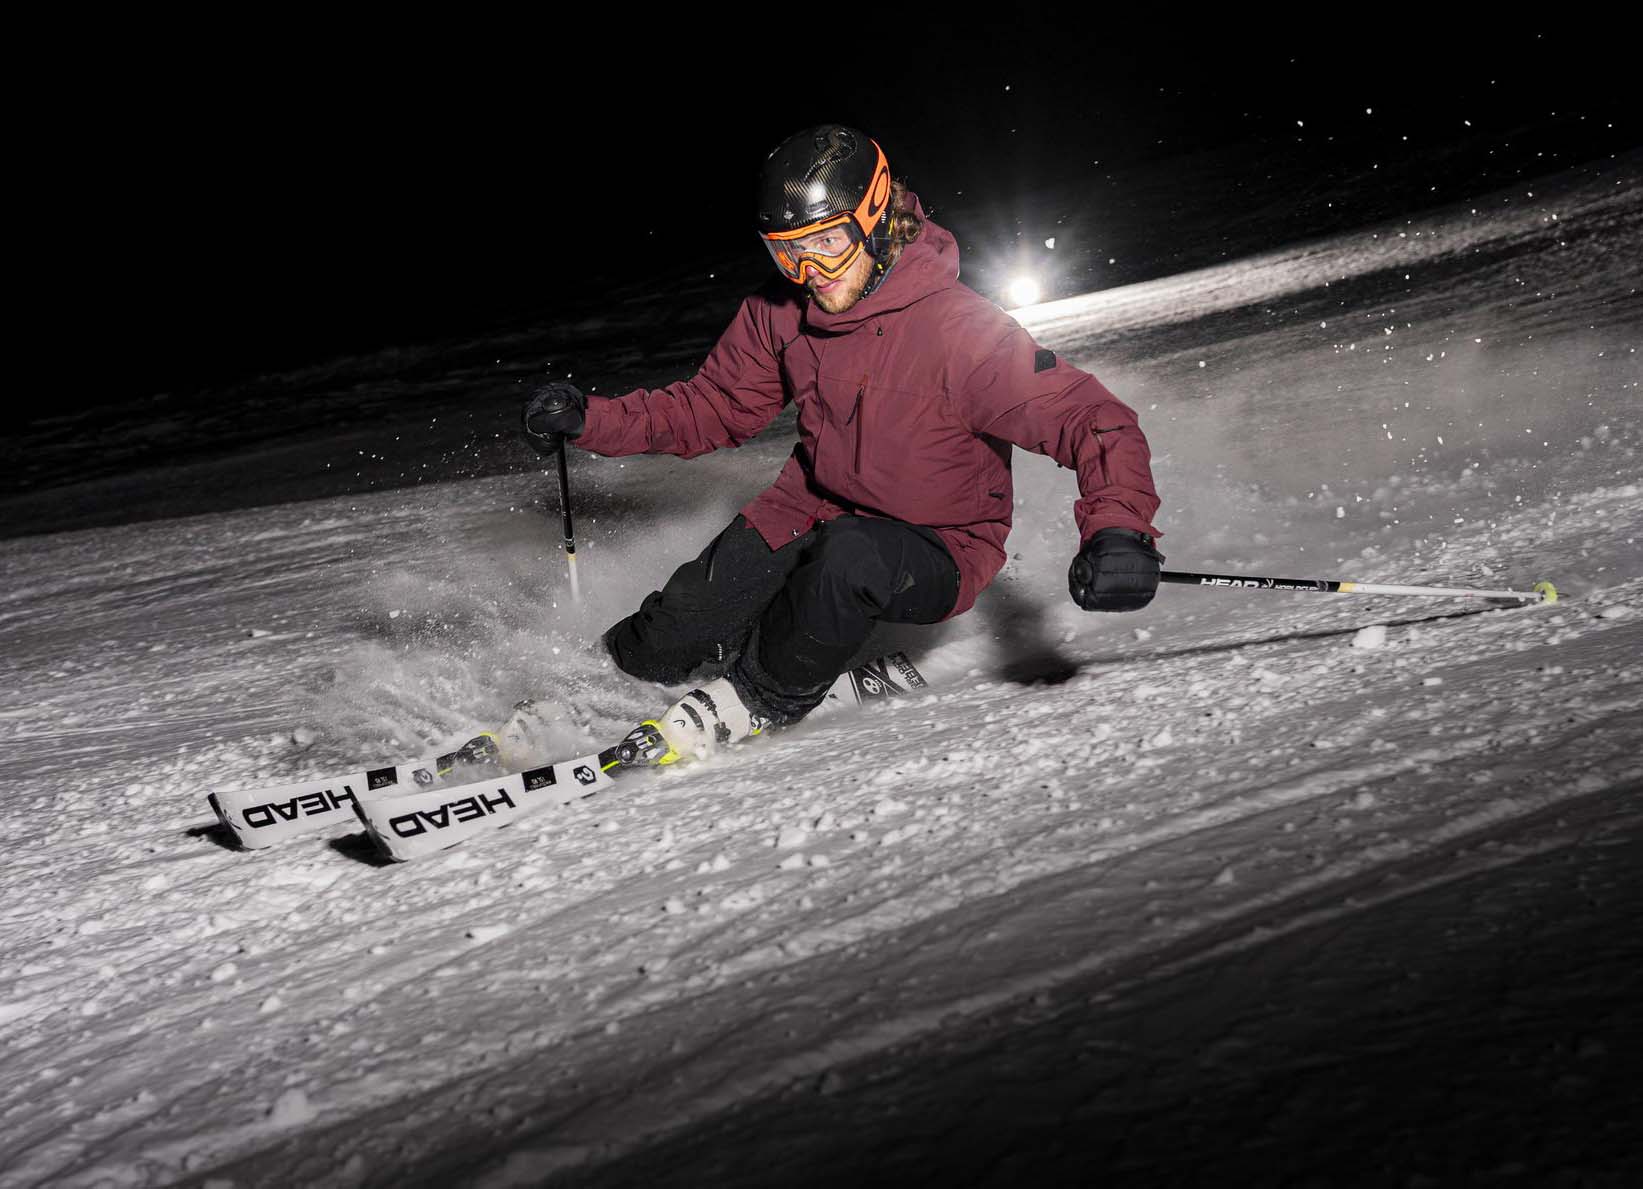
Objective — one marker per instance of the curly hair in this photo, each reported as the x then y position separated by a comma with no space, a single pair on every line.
905,223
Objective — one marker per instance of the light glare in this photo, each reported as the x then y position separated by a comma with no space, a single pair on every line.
1023,291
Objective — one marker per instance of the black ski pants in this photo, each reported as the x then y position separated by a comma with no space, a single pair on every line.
787,621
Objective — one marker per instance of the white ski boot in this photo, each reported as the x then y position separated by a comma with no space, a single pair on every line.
704,720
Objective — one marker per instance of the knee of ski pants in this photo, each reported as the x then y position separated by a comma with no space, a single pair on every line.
845,568
881,567
703,612
637,654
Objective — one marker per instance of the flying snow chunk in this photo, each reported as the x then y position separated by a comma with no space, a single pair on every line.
1373,636
1162,739
292,1109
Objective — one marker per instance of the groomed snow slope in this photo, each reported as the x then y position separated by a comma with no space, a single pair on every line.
1228,886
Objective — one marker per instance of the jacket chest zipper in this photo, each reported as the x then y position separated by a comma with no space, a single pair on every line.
856,416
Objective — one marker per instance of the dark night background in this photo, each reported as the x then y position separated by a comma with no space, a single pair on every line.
291,197
294,261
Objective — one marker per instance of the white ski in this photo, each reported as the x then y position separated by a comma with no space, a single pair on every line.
413,816
887,677
259,818
408,827
417,824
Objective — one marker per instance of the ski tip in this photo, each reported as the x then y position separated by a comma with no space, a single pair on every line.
1547,592
223,821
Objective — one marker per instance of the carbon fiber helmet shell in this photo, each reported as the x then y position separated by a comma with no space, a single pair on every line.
824,172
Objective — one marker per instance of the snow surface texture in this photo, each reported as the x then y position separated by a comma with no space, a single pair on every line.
1242,886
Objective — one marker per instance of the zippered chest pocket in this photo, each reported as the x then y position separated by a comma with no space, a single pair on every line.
858,416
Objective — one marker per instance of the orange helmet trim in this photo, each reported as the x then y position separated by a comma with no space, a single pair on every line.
867,213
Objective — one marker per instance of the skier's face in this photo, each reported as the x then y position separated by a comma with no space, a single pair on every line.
837,296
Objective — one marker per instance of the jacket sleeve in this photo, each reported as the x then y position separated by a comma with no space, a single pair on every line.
1024,394
737,392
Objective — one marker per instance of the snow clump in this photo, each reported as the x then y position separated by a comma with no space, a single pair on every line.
1373,636
292,1109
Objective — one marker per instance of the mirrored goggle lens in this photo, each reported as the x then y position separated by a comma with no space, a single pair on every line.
828,250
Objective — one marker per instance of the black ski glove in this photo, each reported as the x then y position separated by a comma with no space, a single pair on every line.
1117,570
555,411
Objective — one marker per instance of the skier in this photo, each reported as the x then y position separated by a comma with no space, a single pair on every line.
911,389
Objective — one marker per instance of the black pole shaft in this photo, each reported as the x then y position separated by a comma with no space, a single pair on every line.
564,502
1325,585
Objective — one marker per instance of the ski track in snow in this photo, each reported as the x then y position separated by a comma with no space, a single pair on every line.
1093,802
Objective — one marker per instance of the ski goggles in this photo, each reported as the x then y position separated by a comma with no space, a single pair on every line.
826,249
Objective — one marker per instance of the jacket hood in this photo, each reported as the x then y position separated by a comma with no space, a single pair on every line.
928,265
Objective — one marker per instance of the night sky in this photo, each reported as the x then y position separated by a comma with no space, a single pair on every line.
294,195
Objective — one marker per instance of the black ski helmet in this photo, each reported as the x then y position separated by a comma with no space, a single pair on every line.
827,178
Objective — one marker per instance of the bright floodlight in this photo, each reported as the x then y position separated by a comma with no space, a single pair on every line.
1024,291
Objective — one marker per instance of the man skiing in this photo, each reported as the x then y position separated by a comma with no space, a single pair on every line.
911,390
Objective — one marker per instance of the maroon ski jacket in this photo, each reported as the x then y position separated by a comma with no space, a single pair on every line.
908,403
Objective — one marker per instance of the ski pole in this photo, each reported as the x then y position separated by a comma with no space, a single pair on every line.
570,528
1543,592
